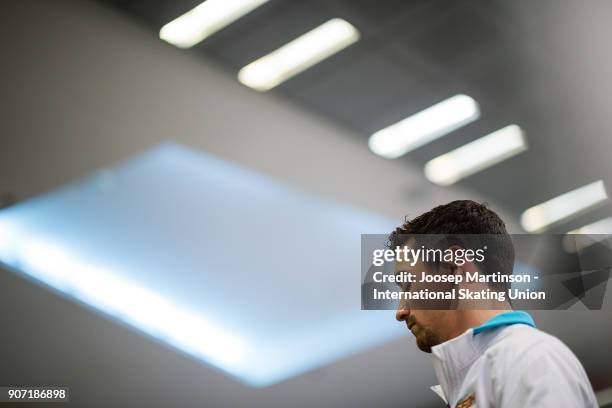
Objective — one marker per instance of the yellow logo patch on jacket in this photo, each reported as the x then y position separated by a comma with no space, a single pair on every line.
467,402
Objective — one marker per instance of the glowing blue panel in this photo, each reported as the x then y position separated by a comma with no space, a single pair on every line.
249,275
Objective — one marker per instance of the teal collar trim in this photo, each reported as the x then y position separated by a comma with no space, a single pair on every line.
506,319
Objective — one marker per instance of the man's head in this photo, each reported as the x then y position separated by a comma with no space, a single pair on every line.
468,219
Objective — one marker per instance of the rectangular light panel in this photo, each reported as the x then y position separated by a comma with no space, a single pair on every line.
298,55
249,275
204,20
563,207
590,234
476,156
424,127
598,227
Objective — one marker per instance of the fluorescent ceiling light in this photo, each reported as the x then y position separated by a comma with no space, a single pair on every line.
560,208
599,227
298,55
425,126
186,285
476,156
130,301
587,235
207,18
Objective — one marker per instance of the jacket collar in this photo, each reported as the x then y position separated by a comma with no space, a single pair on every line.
453,358
506,319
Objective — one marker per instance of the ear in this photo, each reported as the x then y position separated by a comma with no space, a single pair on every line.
462,263
458,263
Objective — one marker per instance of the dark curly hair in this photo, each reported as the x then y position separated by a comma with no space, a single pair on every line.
470,222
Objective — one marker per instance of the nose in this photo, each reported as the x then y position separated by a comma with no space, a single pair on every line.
402,315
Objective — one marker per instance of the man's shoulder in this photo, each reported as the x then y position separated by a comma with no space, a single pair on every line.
521,343
521,359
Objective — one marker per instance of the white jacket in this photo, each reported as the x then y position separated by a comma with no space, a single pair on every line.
510,366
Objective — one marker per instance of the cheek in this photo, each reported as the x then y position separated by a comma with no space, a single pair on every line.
420,316
428,318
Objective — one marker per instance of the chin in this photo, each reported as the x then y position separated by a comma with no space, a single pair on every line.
423,346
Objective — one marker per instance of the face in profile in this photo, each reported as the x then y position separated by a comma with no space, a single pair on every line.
429,326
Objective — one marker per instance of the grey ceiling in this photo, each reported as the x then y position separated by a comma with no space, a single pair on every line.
519,59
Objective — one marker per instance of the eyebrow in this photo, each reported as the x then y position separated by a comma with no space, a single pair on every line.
400,284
